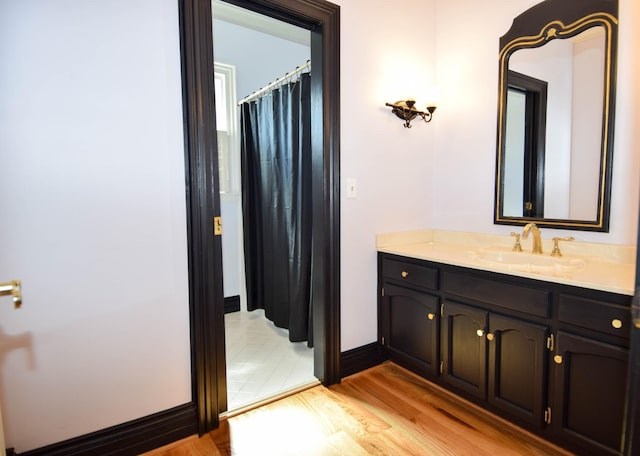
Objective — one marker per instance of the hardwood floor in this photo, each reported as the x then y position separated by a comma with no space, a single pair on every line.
385,410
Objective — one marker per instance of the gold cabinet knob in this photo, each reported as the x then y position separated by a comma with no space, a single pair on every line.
489,336
404,274
616,323
431,316
557,359
480,332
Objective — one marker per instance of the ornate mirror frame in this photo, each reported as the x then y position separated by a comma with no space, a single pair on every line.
558,19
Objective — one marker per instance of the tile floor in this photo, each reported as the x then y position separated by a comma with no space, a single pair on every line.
261,362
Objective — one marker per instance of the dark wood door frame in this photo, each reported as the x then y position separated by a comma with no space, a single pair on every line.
206,301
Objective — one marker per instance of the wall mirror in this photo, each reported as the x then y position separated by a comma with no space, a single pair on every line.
556,115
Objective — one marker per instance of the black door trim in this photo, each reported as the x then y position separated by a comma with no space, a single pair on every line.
206,300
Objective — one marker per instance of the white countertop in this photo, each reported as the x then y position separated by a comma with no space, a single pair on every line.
603,267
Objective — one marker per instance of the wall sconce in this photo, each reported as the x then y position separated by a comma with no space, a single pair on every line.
406,111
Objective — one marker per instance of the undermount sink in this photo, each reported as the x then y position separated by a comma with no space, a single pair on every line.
525,261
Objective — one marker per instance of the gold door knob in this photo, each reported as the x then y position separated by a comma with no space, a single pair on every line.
557,359
431,316
616,323
489,336
480,332
404,274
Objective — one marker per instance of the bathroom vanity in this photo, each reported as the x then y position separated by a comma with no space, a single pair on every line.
540,341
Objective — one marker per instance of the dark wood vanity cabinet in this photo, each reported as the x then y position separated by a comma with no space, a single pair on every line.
590,372
518,368
499,359
409,316
494,342
411,321
590,387
464,351
549,357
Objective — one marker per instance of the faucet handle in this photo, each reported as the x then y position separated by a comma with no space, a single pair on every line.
556,250
516,247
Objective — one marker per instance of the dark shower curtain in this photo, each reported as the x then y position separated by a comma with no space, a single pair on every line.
276,206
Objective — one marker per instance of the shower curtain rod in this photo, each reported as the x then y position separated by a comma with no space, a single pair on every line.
276,83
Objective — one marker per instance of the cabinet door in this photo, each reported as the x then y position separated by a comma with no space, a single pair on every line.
517,368
590,386
464,350
411,328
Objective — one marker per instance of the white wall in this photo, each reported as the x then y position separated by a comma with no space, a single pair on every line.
626,156
387,54
93,216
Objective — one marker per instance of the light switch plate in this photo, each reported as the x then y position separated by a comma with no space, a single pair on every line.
352,188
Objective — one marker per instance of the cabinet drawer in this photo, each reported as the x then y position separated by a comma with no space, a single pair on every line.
409,273
597,315
532,301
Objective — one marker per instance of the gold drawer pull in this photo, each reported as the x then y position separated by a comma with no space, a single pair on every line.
480,332
616,323
489,336
431,316
404,274
557,359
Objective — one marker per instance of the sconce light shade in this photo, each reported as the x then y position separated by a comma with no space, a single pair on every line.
405,110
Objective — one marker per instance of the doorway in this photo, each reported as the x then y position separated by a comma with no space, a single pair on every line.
206,300
264,358
524,148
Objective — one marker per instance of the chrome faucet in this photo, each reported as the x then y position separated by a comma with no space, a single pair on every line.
537,242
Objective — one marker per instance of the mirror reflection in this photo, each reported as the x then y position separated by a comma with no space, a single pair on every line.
553,169
555,118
